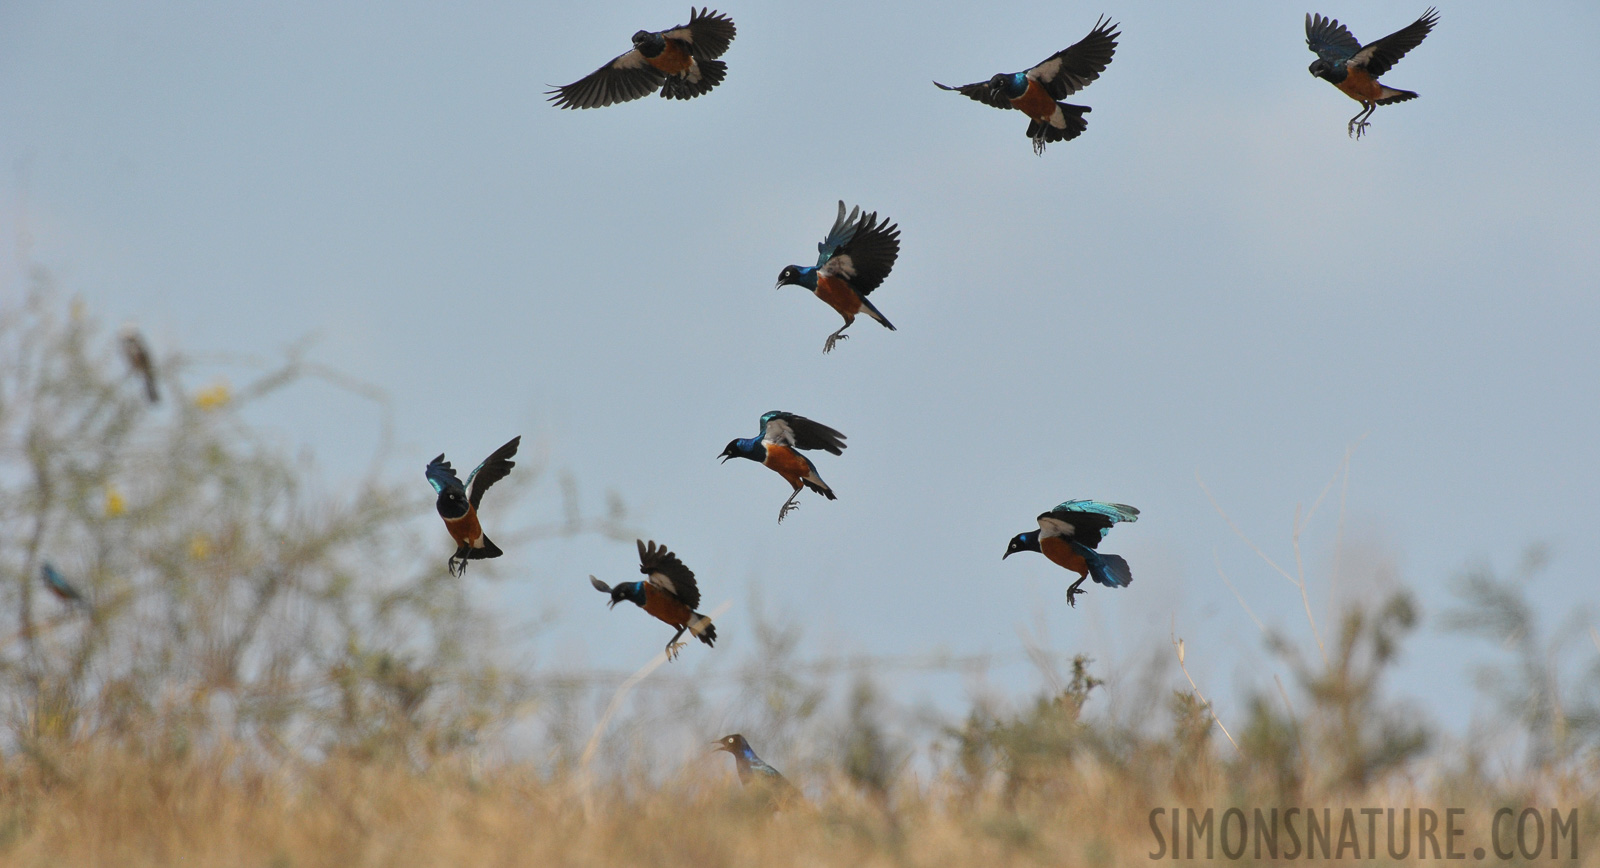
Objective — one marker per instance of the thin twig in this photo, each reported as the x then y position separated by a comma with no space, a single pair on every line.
1177,644
1236,595
1298,583
616,703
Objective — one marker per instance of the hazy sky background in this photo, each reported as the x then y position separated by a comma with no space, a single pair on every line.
1212,280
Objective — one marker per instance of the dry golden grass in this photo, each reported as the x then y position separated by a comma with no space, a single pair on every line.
113,808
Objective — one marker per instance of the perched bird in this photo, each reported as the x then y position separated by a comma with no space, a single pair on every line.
458,504
138,356
852,260
1069,535
1037,92
754,772
669,593
781,435
59,586
1353,68
681,62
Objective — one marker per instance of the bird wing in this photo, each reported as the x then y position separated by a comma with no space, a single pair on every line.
981,91
844,228
441,476
668,573
1384,53
800,432
1070,70
865,258
1085,521
492,470
1331,40
707,34
627,77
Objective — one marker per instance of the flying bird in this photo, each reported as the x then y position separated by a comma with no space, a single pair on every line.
59,586
137,353
852,260
1037,92
1069,536
782,436
755,773
669,593
458,503
1353,68
681,62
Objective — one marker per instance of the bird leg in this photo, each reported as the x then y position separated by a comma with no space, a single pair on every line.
674,646
1038,144
458,562
1075,591
836,336
789,505
1358,124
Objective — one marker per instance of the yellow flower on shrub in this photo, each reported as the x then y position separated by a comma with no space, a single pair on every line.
115,503
213,396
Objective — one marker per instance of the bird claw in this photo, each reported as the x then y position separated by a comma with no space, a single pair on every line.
1038,146
827,347
789,507
673,648
458,567
1072,594
1356,129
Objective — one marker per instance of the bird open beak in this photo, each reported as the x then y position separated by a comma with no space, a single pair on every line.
779,285
1007,554
725,456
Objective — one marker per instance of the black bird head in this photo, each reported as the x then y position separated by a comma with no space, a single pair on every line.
1022,542
617,593
452,503
731,743
788,276
732,451
1000,82
649,44
1326,70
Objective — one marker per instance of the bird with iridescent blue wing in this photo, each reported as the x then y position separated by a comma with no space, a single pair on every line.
778,446
1038,92
457,503
1070,534
754,773
853,259
669,593
680,62
1354,68
59,586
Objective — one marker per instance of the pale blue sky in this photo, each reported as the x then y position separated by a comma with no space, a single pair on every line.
1213,279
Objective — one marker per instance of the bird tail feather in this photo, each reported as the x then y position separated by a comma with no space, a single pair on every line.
872,311
1394,94
1073,125
489,550
702,627
1109,570
711,73
820,488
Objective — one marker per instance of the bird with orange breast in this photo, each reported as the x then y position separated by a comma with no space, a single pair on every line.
1069,536
1354,68
458,503
668,592
778,446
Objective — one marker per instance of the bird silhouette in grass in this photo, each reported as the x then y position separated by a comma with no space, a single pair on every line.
1354,68
63,589
755,774
458,503
680,62
1069,536
853,259
778,446
668,592
1038,92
